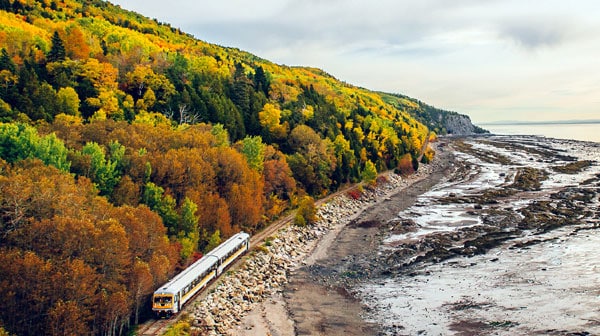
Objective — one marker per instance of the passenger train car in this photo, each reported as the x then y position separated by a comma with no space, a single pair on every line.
169,298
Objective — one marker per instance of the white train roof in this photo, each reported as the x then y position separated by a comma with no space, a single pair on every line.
206,262
186,276
231,243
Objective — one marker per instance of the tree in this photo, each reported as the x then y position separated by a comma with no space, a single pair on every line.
261,82
213,241
312,161
68,101
188,219
278,178
57,52
141,284
253,149
66,319
214,212
6,62
52,151
75,44
155,197
102,171
19,142
241,89
143,78
220,134
369,173
188,234
270,120
306,213
405,165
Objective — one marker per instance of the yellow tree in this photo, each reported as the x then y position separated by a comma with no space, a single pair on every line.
270,118
143,78
68,101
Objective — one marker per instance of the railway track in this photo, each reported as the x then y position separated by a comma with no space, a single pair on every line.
154,327
159,327
270,230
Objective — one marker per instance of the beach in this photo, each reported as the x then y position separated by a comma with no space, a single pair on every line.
316,300
441,252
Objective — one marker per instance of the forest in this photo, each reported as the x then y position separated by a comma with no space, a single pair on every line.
128,147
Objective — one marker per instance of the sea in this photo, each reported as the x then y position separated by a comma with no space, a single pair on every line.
536,283
575,131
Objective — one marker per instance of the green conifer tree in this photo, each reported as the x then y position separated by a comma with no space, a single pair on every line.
6,63
57,53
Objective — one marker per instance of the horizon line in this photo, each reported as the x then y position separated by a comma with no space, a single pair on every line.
541,122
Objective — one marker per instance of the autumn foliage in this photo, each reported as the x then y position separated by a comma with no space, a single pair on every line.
68,256
128,146
405,165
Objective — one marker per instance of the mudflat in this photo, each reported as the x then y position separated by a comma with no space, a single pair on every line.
318,295
497,236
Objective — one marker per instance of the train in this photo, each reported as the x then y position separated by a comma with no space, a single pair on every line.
170,297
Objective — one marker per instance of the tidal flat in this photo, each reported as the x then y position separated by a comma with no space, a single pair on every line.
506,243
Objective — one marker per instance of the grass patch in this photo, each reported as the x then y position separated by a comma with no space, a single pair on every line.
182,327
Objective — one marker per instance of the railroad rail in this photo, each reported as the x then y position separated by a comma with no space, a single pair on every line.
155,327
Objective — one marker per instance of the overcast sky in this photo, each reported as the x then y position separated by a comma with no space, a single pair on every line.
491,59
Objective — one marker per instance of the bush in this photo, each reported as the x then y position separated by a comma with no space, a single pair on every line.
299,219
262,248
369,174
306,213
405,165
181,327
354,193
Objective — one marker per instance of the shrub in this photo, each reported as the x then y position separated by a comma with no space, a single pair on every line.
354,193
306,213
369,174
181,327
262,248
405,165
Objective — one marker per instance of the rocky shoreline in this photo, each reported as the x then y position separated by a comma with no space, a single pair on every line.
501,247
266,271
310,280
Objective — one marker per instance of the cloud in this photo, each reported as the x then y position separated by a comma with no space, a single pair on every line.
472,56
536,33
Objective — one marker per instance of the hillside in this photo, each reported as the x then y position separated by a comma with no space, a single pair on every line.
127,147
441,122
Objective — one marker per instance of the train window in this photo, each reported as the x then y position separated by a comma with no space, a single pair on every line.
162,299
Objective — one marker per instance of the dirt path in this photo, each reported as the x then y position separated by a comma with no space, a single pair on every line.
470,212
317,294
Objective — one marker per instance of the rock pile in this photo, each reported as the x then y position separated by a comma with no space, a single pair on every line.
266,269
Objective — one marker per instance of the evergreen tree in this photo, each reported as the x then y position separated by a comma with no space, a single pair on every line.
240,94
5,5
57,53
6,63
261,83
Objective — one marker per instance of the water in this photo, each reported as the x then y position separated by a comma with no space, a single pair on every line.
546,288
583,132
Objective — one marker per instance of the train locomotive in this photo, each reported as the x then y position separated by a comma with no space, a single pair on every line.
170,298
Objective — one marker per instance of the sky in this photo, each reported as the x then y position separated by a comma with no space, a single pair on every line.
494,60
